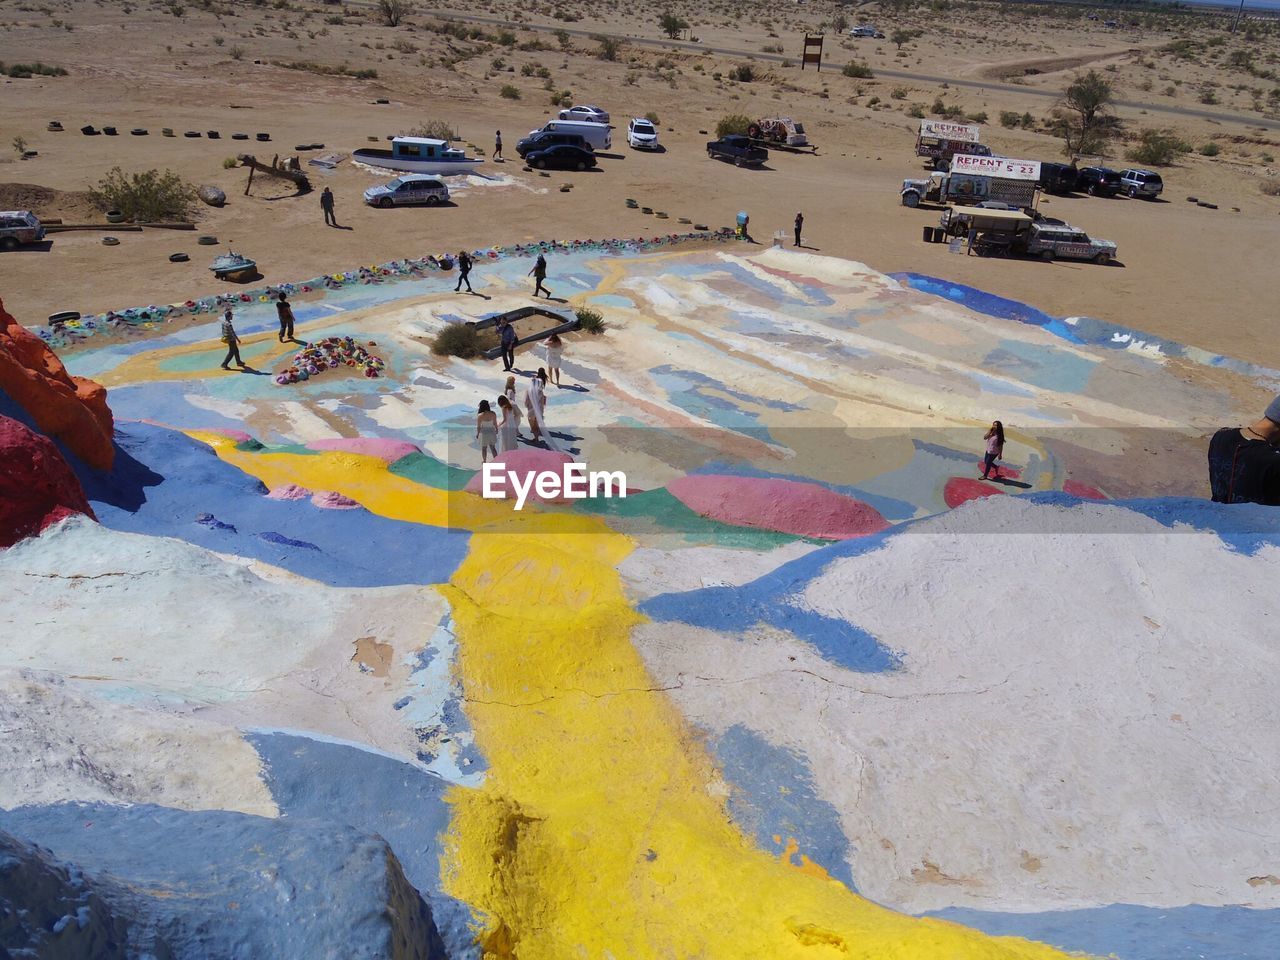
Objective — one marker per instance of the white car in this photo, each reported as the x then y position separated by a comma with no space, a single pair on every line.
585,112
867,32
642,135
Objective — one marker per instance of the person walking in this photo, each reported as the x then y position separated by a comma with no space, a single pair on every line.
995,450
326,204
285,314
509,428
555,350
464,271
1244,462
539,273
799,227
232,341
535,402
487,431
497,146
507,337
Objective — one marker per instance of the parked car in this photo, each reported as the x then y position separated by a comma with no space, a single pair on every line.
541,139
1141,183
1057,177
739,149
18,227
1098,181
866,31
1050,240
561,157
585,112
599,136
642,134
407,189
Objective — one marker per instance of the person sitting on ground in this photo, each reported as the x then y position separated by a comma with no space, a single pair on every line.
1244,462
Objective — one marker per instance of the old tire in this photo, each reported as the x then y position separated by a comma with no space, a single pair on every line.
115,216
911,199
384,203
433,201
1102,258
580,166
737,162
178,258
1046,256
8,243
541,164
207,241
1091,190
1133,193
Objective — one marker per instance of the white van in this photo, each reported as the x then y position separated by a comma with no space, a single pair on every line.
599,135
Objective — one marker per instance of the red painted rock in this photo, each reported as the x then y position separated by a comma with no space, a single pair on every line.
1077,489
963,489
70,409
1006,473
523,463
37,487
784,506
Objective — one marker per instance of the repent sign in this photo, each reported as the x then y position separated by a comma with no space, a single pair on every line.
1001,167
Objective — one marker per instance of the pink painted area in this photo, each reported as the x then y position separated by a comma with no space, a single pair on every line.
290,491
239,436
522,463
785,506
963,489
328,500
389,451
1006,473
1077,489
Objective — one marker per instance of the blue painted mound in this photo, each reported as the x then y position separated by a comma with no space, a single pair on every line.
374,794
49,909
1129,932
212,885
166,484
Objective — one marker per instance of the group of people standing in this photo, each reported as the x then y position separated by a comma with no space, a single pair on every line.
501,434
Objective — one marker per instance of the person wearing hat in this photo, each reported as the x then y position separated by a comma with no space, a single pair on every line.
232,341
1244,462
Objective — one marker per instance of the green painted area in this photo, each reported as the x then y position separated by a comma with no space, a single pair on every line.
430,472
256,446
655,512
203,359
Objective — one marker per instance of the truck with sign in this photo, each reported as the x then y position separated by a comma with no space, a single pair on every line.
967,188
940,140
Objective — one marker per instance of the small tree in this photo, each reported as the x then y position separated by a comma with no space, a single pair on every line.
1157,148
733,123
393,11
610,47
839,23
857,70
1083,120
901,37
672,24
147,196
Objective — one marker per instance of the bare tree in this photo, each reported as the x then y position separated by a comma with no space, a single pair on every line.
393,11
1083,119
672,24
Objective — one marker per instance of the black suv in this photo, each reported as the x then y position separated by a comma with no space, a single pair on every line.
545,139
1098,181
1057,177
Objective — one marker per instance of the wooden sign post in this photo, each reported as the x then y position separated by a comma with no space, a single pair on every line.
812,52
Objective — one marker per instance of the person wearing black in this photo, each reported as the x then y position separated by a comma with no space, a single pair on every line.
508,336
497,146
326,204
1244,462
464,271
539,273
799,227
285,314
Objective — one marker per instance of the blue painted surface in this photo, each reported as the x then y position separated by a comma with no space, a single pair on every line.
1130,932
375,794
214,885
166,484
773,796
1047,367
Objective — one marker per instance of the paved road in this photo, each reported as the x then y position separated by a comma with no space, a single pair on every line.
1254,120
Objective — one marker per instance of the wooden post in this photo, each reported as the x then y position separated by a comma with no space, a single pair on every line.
250,183
812,51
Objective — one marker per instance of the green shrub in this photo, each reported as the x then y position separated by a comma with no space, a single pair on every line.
857,70
590,320
509,92
733,123
457,340
147,196
1157,148
609,49
1009,118
1210,149
229,162
25,71
743,73
979,117
916,111
433,130
899,93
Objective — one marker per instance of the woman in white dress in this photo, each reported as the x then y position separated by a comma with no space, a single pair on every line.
509,427
486,431
509,391
555,350
535,402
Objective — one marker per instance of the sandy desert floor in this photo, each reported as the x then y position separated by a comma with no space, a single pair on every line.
1196,275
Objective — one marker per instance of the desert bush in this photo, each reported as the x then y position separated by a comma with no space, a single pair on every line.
857,70
237,53
25,71
772,48
527,70
590,320
916,111
1157,148
733,123
1270,187
392,12
229,162
506,38
672,24
899,93
978,117
652,117
459,340
610,47
1010,118
150,195
433,130
743,73
1209,149
510,92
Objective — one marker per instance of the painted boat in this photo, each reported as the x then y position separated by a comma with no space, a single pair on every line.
229,264
419,155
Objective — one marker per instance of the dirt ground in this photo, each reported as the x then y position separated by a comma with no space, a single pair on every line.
1204,277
